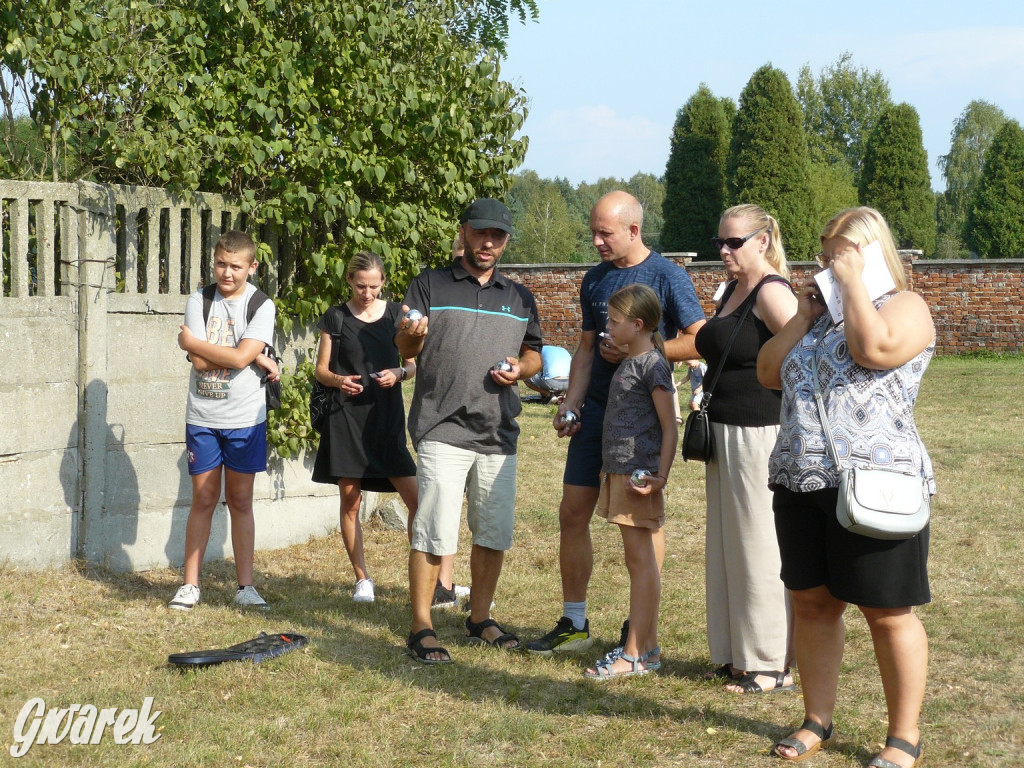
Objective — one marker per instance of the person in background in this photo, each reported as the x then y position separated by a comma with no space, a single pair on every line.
363,445
748,616
695,371
870,366
553,378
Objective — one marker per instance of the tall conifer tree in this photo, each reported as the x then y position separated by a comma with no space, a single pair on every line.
695,176
995,221
895,178
768,163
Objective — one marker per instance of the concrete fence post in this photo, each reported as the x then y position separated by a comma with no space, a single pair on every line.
96,264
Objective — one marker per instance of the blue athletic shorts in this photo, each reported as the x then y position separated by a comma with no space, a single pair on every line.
583,460
240,450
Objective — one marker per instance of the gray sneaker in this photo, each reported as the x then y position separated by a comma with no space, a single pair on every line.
186,598
248,597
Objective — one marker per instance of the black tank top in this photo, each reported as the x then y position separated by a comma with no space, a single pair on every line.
738,398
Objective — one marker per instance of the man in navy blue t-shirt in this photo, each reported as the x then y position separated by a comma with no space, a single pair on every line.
615,222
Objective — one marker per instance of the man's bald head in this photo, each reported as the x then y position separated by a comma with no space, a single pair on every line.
622,206
615,224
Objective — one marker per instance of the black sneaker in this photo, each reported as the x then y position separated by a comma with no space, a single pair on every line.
443,598
564,637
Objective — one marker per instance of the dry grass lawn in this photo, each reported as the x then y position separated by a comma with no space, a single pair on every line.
354,697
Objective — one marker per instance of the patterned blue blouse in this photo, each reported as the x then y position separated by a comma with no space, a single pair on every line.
871,413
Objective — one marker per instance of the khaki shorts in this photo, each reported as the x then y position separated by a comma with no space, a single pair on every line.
444,476
619,504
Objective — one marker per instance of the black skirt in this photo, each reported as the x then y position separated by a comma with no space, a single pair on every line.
816,550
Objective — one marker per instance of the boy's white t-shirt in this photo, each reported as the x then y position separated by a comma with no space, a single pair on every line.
228,398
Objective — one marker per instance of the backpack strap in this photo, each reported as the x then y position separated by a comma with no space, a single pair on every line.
210,291
255,303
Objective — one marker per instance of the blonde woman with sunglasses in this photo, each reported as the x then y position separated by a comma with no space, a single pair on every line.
747,612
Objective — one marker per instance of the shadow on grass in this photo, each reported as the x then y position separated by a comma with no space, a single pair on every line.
371,637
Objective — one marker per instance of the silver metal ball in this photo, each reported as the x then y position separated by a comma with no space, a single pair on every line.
640,477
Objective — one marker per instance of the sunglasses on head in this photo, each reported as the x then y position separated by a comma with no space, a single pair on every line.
733,243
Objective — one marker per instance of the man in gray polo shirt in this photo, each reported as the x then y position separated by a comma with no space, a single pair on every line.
463,418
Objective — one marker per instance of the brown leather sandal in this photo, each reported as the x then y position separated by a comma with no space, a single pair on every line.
802,750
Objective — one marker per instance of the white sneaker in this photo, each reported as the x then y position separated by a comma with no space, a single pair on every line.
364,591
186,598
461,592
248,597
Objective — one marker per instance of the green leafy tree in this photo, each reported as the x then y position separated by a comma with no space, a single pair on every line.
833,189
995,220
768,163
24,153
895,178
841,107
484,22
970,139
650,191
695,175
545,230
579,212
352,126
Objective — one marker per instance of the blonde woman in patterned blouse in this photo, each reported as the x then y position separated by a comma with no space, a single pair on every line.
870,366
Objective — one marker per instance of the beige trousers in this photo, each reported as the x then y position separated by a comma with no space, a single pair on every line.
749,619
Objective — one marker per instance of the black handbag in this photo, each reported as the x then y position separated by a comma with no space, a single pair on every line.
697,443
320,395
697,435
318,400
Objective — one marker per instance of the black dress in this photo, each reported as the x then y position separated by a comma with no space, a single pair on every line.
365,434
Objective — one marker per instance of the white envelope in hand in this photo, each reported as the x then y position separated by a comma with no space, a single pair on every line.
877,279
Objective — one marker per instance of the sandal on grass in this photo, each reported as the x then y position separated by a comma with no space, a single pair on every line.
903,746
604,671
748,682
652,666
476,635
802,750
421,652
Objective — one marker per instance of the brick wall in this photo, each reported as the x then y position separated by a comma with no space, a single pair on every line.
976,305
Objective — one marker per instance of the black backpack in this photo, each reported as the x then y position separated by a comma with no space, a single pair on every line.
273,388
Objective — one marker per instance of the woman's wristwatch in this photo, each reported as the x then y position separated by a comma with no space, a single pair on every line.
404,375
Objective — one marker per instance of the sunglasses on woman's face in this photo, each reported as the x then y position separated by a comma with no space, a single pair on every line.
733,243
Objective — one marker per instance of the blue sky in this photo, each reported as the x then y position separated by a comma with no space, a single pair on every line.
605,78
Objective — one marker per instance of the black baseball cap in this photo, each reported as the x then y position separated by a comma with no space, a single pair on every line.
487,213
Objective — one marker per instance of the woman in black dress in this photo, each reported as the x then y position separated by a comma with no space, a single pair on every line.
364,443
